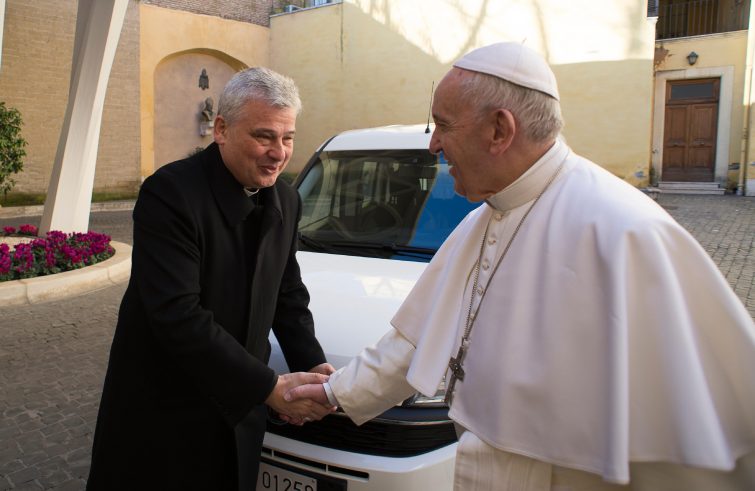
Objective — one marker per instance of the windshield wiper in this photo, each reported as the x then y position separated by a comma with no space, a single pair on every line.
406,250
315,244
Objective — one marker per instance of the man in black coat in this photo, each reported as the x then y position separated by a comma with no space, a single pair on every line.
188,388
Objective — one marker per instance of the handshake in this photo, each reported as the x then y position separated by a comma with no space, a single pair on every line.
299,397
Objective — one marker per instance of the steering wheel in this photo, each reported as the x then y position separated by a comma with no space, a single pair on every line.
380,217
336,224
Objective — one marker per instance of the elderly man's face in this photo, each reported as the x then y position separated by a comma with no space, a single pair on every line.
258,145
459,133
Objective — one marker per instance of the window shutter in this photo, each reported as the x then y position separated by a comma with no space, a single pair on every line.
652,8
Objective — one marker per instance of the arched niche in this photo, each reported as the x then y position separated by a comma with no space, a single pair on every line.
180,100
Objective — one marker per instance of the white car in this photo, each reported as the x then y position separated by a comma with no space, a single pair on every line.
376,207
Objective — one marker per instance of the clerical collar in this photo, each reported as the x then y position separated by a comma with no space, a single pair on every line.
529,184
251,192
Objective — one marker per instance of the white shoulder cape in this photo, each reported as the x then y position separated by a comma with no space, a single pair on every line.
608,335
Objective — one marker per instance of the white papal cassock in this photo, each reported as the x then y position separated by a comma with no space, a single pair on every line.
609,352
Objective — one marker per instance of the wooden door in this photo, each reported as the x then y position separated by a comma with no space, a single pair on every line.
689,134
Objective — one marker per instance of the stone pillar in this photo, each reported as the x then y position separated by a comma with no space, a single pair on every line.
98,27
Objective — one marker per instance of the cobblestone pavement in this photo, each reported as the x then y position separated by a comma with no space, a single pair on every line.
53,355
52,363
725,226
117,224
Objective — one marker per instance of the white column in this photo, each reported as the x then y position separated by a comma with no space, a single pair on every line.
98,27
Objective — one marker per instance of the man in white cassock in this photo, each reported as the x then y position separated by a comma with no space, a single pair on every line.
587,340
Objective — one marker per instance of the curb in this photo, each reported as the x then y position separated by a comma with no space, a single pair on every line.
69,283
38,210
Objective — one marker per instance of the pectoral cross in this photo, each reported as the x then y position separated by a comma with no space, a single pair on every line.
457,371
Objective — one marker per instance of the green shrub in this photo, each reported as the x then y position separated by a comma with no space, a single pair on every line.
194,151
113,195
16,198
11,146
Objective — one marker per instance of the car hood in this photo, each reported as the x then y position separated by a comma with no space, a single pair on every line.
353,300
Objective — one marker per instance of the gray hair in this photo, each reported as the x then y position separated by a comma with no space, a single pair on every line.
257,83
537,114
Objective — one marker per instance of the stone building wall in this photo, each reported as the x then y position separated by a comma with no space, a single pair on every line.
253,11
35,77
35,70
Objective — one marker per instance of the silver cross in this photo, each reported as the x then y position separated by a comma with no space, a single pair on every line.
457,371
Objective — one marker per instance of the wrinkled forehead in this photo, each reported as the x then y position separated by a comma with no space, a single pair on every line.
449,94
452,79
261,109
450,84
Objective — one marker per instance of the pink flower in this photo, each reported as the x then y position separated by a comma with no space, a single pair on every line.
27,229
5,260
56,236
54,253
9,230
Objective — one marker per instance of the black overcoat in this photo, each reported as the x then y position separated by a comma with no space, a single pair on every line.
188,371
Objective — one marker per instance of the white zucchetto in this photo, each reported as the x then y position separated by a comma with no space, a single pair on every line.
514,63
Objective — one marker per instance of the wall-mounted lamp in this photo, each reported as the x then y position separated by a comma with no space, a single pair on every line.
692,57
204,80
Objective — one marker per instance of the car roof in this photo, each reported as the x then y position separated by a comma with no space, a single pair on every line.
395,137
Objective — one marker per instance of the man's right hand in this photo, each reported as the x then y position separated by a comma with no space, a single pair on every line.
314,392
300,410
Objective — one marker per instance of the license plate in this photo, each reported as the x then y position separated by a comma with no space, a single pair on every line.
272,478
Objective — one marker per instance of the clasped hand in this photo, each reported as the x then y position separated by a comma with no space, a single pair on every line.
300,410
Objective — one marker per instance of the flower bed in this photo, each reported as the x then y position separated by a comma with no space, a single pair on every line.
55,253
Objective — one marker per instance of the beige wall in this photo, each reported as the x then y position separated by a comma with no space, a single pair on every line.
35,77
720,55
166,33
372,62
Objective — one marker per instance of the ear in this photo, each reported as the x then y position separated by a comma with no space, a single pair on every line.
504,129
219,130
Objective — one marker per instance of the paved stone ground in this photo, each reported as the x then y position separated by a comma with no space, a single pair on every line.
725,226
53,355
52,363
117,224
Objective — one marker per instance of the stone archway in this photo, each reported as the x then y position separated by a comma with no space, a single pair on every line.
179,100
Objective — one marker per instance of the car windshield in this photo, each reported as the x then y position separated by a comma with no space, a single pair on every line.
396,204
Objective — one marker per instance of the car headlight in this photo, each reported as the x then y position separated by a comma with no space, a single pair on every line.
436,400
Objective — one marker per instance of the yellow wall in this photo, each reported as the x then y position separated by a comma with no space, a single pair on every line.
714,51
372,62
167,32
307,47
